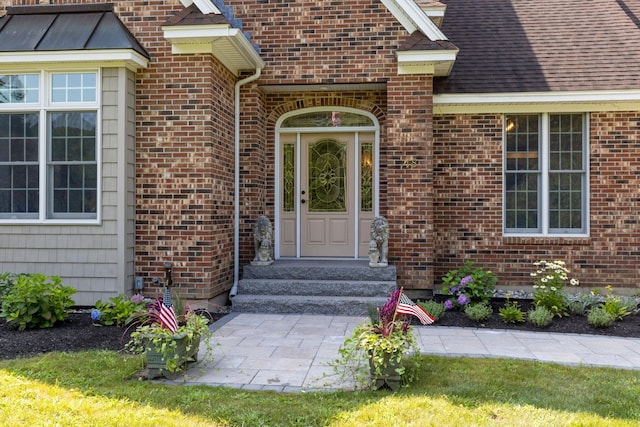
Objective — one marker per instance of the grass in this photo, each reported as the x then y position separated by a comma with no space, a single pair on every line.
98,388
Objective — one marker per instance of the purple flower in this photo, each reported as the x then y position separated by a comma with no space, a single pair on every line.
448,305
453,290
95,315
463,299
137,298
387,311
465,281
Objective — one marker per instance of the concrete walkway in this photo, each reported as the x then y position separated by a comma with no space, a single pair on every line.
293,352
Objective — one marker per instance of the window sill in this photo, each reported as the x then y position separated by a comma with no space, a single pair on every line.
555,239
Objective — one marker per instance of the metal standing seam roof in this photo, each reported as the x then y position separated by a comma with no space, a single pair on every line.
65,27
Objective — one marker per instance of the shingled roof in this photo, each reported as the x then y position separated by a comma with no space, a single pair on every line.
542,45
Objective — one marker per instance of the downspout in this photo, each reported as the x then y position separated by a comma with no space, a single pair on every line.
236,186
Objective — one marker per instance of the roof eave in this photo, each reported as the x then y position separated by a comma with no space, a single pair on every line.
527,102
128,58
412,18
439,63
205,6
227,44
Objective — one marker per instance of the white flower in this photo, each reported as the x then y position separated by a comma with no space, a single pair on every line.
574,282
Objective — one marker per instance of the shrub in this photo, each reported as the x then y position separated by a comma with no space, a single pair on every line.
434,308
469,284
541,316
118,310
478,312
582,303
599,317
549,280
511,312
7,280
616,307
37,301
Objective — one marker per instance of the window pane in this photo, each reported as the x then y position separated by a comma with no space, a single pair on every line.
522,142
327,119
366,177
565,142
288,178
19,88
74,87
72,167
521,201
565,200
19,176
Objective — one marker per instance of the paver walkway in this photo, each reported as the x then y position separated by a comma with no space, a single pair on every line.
288,352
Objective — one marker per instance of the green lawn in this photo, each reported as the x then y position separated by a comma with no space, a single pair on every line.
98,389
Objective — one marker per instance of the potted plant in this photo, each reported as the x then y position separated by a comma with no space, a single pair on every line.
382,343
168,340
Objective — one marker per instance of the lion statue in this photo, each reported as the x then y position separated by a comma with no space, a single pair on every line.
262,241
379,245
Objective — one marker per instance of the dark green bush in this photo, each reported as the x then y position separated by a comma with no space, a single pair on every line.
434,308
478,284
118,310
7,280
37,301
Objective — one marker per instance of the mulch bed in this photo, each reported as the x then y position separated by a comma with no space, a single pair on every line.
78,333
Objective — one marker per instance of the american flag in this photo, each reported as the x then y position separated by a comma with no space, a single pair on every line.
406,306
167,314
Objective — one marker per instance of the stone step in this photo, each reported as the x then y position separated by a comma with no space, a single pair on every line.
352,270
303,304
316,287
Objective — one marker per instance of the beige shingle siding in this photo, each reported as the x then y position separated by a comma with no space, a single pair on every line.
87,257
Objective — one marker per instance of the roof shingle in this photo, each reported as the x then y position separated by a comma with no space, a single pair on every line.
546,45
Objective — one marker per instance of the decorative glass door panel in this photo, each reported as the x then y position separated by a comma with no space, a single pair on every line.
327,176
327,197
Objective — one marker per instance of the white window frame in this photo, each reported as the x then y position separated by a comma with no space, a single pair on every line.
543,188
43,107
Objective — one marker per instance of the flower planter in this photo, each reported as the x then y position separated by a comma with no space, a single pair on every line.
388,376
186,351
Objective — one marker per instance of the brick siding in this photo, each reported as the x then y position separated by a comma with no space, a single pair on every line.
468,204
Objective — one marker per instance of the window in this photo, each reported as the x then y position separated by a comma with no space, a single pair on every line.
49,146
545,179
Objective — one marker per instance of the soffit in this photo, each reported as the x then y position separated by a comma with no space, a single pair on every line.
193,32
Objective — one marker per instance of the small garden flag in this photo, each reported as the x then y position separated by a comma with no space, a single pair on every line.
406,306
167,314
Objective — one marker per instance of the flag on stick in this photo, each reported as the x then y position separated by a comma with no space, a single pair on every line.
167,314
406,306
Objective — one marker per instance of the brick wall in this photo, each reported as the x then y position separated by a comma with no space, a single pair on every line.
185,157
408,173
468,204
307,41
